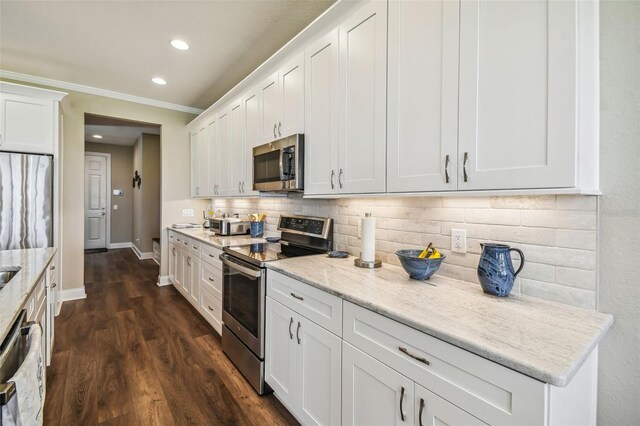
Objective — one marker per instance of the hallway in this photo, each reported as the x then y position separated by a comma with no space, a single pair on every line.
135,353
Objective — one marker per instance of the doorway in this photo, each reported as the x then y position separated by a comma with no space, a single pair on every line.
97,206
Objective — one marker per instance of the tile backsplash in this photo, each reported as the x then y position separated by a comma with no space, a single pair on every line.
556,233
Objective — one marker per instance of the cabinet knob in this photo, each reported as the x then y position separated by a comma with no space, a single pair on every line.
52,267
210,308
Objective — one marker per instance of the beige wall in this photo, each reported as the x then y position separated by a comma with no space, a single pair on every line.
121,175
146,199
175,185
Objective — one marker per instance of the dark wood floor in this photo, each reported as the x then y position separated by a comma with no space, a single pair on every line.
135,353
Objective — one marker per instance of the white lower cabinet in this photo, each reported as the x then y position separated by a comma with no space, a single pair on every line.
303,365
430,409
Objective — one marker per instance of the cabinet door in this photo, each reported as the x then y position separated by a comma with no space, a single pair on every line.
291,100
51,309
422,139
251,138
203,162
269,108
517,94
213,157
236,148
372,393
430,409
195,164
363,100
194,282
280,355
186,273
319,372
180,260
173,262
223,136
321,116
26,124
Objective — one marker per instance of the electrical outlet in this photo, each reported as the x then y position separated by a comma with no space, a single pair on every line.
458,240
115,207
187,212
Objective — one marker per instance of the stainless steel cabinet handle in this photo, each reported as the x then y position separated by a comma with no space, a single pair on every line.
274,130
211,279
298,332
340,178
446,168
296,296
290,332
210,308
279,127
420,412
333,173
239,186
52,267
210,255
54,285
401,399
173,251
189,260
464,166
417,358
243,187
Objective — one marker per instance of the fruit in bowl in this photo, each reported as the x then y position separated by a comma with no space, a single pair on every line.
420,268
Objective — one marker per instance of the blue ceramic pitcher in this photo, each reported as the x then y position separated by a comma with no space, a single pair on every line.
495,269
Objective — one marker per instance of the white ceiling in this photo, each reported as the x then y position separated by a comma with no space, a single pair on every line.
121,45
115,131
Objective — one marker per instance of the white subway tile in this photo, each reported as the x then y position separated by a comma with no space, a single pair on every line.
559,219
493,216
538,271
430,227
442,214
571,238
577,202
518,234
576,278
422,202
539,202
467,202
569,295
573,258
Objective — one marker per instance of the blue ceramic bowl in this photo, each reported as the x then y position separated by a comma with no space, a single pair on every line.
418,269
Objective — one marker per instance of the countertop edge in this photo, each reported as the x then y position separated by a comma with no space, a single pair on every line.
559,379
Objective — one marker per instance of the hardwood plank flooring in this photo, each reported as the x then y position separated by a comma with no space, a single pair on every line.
133,353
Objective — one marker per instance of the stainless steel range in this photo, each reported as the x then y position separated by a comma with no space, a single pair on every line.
244,288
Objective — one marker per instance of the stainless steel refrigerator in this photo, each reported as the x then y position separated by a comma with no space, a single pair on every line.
26,207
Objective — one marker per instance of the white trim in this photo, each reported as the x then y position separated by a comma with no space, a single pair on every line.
141,256
35,92
120,245
474,193
164,280
107,239
96,91
73,294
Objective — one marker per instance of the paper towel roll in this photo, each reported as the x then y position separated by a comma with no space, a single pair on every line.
368,232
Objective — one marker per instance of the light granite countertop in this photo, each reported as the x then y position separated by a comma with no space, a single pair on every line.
218,241
15,294
545,340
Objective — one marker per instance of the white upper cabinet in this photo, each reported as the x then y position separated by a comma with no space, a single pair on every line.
321,116
237,151
212,158
251,111
518,94
195,164
362,100
224,144
282,101
422,141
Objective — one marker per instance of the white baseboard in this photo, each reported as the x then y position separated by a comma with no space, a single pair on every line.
119,245
73,294
141,256
164,280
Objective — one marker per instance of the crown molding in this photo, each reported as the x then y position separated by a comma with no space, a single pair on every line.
96,91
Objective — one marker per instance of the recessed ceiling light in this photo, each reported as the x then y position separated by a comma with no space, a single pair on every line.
180,44
158,80
97,137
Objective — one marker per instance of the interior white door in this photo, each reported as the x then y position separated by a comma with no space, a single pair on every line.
251,137
321,116
517,94
430,409
95,201
292,97
372,393
237,148
422,141
363,100
280,356
269,108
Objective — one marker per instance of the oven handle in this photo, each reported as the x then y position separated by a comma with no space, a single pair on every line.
249,272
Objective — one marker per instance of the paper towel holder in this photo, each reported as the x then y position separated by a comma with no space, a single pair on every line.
367,265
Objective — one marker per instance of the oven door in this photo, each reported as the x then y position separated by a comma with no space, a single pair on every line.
243,299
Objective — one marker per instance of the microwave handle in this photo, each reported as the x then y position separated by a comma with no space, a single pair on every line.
249,272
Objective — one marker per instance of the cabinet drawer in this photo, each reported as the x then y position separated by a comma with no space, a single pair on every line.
194,246
320,307
174,237
211,309
185,242
212,279
211,255
489,391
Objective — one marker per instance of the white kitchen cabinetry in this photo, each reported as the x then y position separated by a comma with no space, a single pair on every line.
40,308
251,102
303,364
373,394
430,409
282,101
28,119
224,146
192,279
422,143
196,182
237,149
345,144
173,262
51,299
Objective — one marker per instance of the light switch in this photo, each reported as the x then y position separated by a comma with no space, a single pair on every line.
118,192
115,207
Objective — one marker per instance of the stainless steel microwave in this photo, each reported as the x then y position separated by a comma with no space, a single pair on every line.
278,165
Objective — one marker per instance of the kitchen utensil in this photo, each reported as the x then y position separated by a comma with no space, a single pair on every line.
495,269
418,268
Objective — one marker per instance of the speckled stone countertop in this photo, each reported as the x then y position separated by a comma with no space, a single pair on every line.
218,241
545,340
15,294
